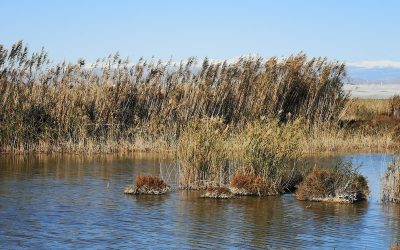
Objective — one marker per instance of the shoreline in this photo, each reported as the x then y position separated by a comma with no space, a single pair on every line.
314,147
168,154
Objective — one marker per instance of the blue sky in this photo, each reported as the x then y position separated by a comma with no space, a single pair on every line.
351,31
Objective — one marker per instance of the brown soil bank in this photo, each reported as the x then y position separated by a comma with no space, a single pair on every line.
218,193
245,185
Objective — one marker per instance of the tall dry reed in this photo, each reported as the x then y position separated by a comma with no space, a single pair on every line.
391,182
46,106
202,154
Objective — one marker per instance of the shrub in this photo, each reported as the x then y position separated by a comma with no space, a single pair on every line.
341,183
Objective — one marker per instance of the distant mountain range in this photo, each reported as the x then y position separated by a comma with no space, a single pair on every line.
361,75
373,82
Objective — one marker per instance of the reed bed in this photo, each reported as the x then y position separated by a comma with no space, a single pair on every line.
75,107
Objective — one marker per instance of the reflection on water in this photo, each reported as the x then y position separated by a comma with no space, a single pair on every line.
74,202
73,167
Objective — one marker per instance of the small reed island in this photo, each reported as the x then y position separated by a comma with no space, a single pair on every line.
242,185
268,160
342,184
148,185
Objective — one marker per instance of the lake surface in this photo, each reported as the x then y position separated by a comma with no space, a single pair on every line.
372,91
77,202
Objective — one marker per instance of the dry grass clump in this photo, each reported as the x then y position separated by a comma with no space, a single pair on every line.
251,184
272,151
341,183
202,154
364,125
391,182
328,139
147,185
153,182
365,109
218,193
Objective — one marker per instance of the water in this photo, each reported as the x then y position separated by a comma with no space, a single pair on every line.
75,202
377,91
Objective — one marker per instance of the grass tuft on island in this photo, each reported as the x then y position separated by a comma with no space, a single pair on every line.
341,183
148,185
251,185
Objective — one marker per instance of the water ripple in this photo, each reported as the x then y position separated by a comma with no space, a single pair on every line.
79,204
